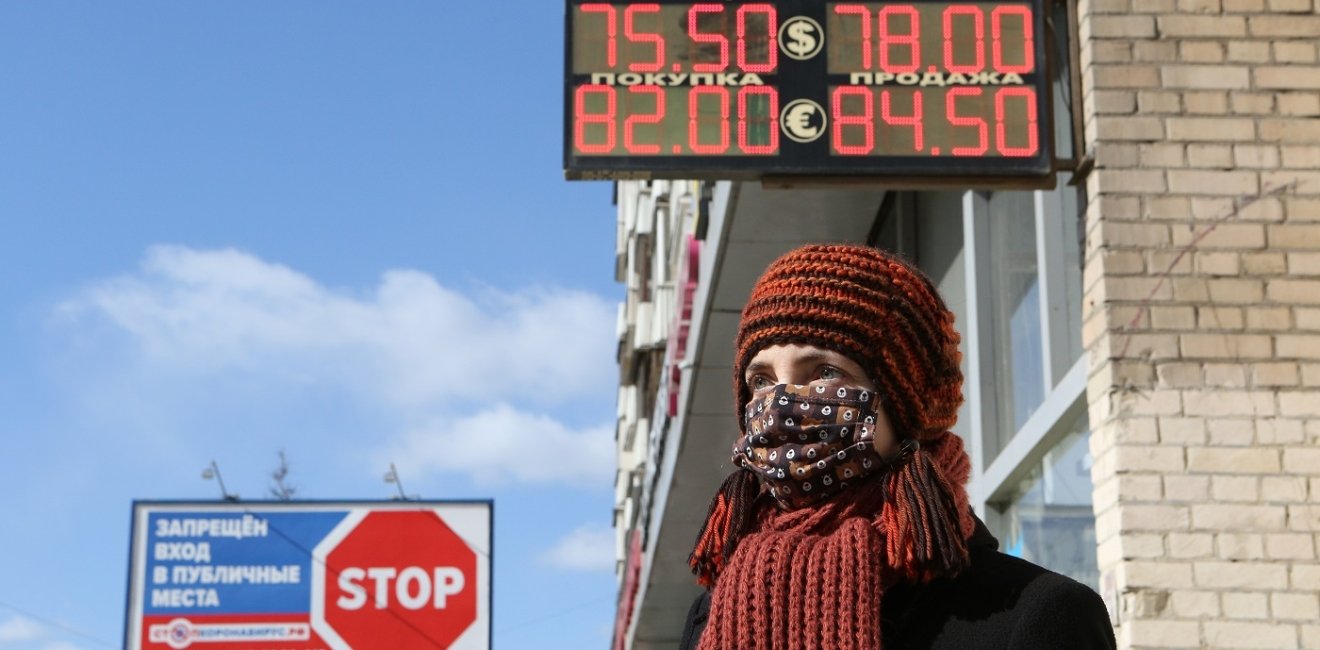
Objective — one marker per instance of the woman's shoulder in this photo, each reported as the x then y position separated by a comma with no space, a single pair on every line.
1052,609
696,621
995,570
1019,604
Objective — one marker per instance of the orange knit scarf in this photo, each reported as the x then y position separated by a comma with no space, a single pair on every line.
813,578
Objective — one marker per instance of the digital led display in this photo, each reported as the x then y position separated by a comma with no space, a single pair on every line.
805,88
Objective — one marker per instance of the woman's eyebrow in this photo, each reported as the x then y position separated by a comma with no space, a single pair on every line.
815,357
807,358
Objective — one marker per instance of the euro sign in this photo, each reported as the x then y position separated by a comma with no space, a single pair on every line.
803,120
801,40
799,120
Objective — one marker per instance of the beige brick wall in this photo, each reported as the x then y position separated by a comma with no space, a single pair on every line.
1202,317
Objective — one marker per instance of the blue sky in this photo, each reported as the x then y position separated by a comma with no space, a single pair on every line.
334,228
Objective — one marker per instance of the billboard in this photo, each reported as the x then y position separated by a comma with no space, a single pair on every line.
309,575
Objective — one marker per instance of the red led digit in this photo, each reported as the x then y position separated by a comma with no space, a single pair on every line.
638,118
772,112
693,15
582,118
644,37
611,43
772,55
978,21
951,113
866,121
911,40
694,119
1028,39
865,14
913,120
1001,136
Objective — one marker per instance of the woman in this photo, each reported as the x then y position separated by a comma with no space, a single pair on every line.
846,524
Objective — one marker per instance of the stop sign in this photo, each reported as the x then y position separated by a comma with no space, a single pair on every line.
394,579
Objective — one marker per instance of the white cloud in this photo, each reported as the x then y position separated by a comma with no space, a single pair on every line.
19,628
60,645
409,340
588,548
446,364
501,443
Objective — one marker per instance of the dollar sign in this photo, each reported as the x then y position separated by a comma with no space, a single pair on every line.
802,40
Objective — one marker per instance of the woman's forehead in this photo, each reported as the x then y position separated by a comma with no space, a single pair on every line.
798,353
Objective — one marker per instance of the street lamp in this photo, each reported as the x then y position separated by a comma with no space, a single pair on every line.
213,472
392,476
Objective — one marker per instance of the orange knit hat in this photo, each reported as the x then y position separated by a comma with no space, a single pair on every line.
872,307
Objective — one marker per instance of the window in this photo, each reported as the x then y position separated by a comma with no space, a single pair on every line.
1013,300
1048,518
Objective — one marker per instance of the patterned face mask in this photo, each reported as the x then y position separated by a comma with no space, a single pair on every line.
808,443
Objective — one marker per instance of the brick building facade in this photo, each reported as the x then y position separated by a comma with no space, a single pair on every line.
1202,317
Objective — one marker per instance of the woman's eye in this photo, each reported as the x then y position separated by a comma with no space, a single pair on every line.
758,382
829,373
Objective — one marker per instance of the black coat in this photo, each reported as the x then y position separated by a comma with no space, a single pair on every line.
999,602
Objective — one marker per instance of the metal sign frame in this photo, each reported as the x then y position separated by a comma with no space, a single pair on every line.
799,162
143,510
